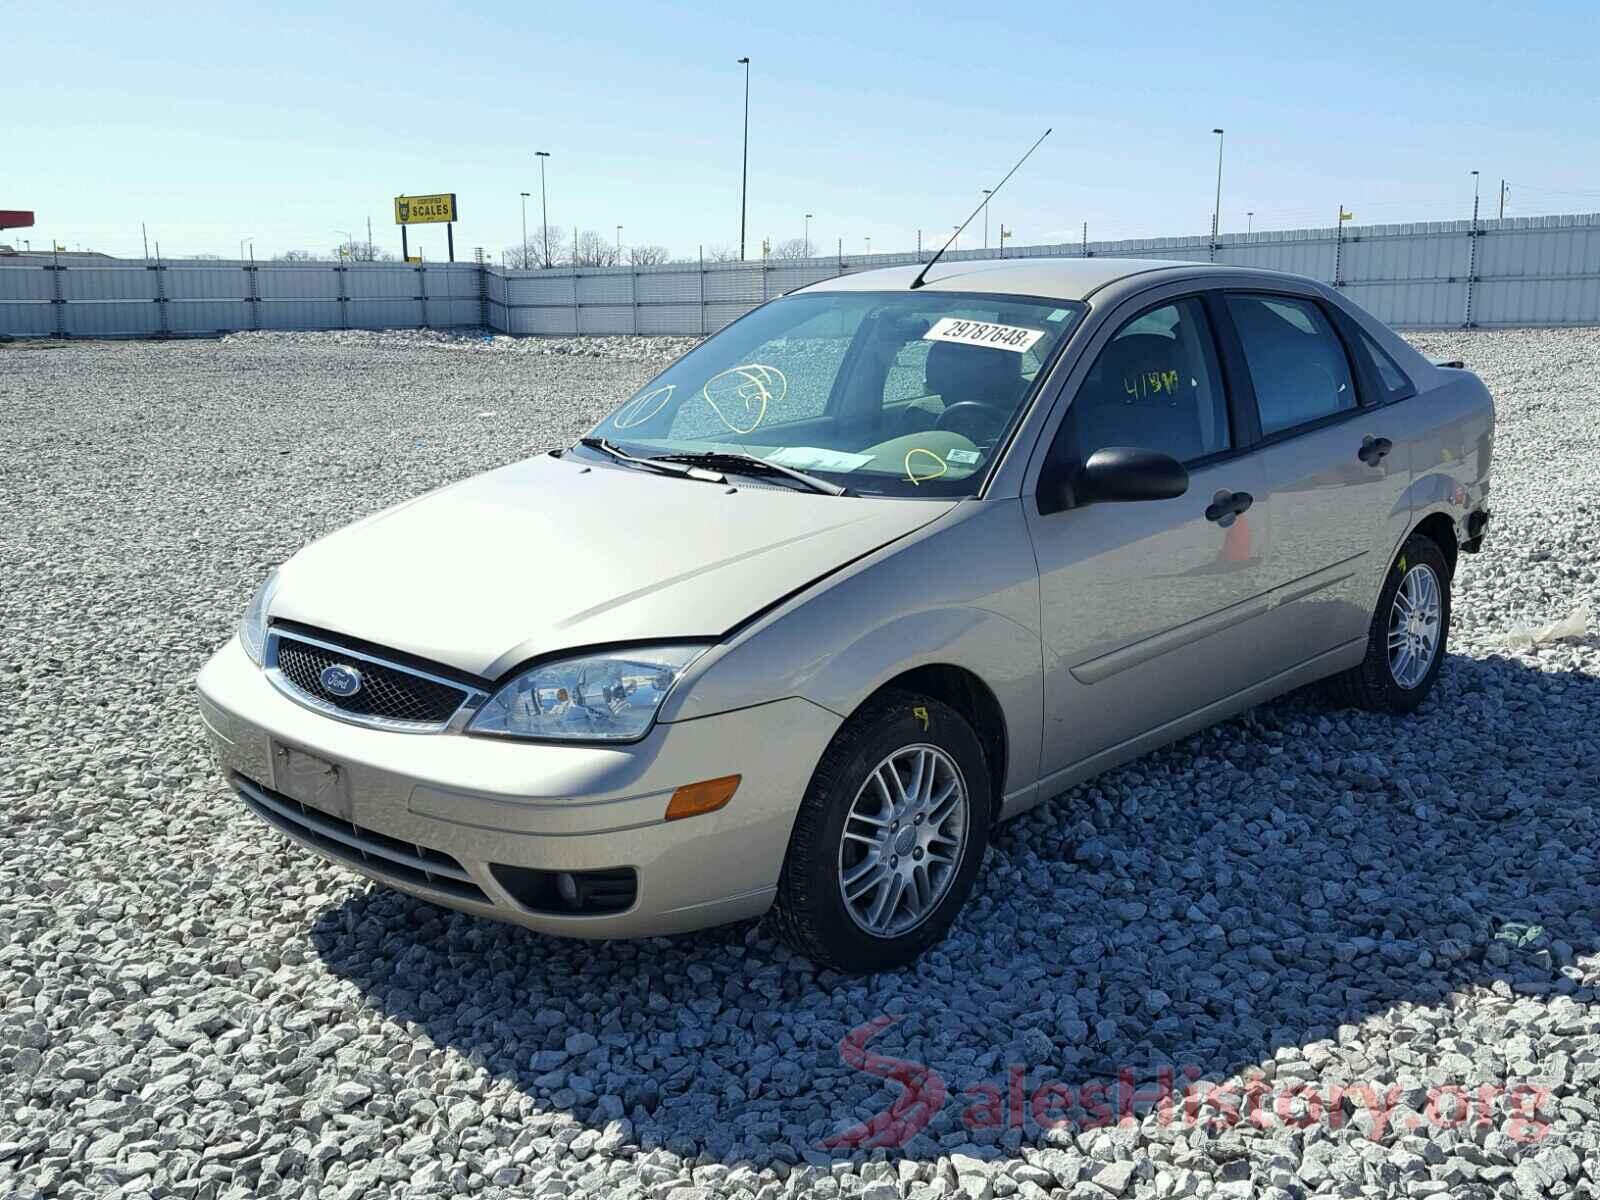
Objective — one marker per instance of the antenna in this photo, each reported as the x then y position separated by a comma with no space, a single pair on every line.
922,274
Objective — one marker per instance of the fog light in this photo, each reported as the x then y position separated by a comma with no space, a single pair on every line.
567,888
706,796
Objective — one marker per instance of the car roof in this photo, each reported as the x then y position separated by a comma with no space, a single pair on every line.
1054,278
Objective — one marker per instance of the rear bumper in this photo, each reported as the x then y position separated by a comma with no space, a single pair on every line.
430,814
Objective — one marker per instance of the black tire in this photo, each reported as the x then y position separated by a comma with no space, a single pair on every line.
809,913
1371,684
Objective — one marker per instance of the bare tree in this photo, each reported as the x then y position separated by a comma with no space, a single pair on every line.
647,256
531,254
356,251
296,256
594,249
721,254
205,258
793,248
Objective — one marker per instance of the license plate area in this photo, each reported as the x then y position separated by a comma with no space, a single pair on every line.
314,782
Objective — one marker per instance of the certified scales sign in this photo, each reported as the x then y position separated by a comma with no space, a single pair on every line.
425,210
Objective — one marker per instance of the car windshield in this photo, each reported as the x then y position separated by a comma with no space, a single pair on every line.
901,394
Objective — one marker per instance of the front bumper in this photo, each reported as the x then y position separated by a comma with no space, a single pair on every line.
429,813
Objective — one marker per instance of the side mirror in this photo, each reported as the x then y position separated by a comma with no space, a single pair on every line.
1128,473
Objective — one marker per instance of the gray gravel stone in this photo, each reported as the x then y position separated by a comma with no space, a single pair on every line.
1328,902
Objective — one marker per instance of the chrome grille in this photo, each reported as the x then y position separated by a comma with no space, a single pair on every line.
390,695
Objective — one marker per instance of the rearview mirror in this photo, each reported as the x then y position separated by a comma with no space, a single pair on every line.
1128,473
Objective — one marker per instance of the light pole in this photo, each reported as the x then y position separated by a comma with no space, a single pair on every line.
744,173
1250,221
986,192
808,235
1216,212
242,243
619,245
525,229
544,207
1475,181
349,245
869,245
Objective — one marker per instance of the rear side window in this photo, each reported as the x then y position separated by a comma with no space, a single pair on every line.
1395,381
1297,364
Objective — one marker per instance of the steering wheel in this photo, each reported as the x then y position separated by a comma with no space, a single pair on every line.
973,419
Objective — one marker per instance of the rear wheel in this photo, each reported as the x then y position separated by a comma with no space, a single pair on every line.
889,836
1406,640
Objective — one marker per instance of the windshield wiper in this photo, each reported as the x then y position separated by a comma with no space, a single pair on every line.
666,467
749,464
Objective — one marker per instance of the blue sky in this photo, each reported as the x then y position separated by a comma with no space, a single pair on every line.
291,122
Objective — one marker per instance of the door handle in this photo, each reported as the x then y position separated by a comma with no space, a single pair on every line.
1373,449
1226,505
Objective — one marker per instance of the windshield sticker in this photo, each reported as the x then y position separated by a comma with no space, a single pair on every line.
964,457
641,408
938,463
981,333
1059,314
815,458
740,395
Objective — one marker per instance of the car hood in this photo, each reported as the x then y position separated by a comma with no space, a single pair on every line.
549,553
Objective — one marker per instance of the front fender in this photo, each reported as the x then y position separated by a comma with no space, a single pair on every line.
963,592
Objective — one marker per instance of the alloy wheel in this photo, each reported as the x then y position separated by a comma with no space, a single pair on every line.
903,840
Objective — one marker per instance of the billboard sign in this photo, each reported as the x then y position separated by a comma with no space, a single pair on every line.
15,218
425,210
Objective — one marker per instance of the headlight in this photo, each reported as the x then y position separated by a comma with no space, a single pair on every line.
610,697
253,625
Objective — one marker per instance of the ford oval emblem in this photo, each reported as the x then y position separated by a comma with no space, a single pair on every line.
340,680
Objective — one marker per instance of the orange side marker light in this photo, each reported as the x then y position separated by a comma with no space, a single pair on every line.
708,795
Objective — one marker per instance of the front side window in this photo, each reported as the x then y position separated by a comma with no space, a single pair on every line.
1297,363
905,394
1155,386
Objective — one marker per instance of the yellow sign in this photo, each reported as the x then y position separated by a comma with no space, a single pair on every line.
1346,216
425,210
416,258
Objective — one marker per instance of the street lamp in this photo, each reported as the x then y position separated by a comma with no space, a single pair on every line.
1250,221
869,245
619,244
744,174
242,243
1216,213
525,228
808,235
349,244
986,192
544,207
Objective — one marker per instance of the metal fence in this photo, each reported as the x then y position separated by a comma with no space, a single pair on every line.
74,297
1521,271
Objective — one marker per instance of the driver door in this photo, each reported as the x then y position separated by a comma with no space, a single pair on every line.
1147,606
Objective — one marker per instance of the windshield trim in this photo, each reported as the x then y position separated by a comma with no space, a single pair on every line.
1025,406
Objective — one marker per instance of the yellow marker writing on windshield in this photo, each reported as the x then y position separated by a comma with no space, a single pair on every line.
937,461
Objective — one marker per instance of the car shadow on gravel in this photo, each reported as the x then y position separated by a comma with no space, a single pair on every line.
1232,900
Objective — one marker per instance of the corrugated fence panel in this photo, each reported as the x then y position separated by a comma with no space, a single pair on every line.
1528,270
27,320
301,314
384,314
205,283
207,316
25,283
310,282
108,283
111,318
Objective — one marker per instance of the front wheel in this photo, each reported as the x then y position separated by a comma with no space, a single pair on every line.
1406,640
889,836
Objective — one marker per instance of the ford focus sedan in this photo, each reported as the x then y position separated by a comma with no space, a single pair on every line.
867,572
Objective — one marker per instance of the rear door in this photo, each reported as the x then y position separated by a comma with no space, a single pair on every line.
1146,606
1333,462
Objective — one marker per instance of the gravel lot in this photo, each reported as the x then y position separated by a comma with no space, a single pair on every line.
1306,898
